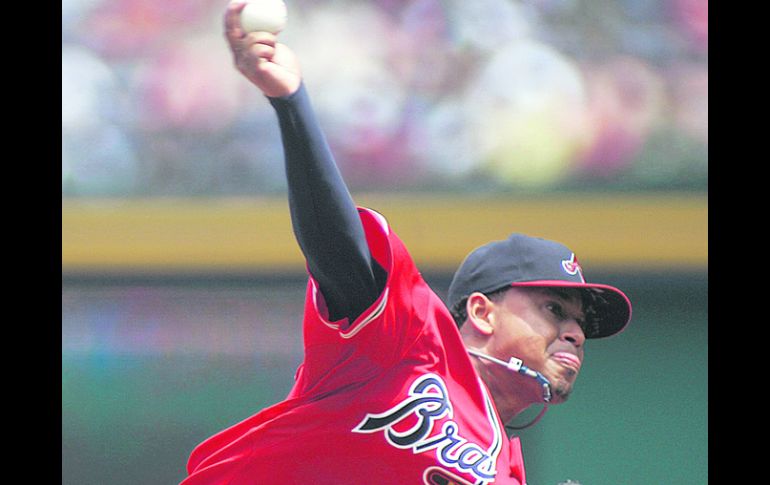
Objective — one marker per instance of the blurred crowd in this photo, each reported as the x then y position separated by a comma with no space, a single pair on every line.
440,95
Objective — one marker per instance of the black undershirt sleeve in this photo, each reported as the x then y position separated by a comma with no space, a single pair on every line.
324,217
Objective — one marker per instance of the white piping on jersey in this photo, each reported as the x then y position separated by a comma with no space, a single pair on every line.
372,316
380,220
497,440
376,312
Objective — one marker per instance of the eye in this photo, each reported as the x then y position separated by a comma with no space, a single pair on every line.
556,309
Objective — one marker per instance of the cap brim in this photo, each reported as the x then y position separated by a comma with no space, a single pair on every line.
608,312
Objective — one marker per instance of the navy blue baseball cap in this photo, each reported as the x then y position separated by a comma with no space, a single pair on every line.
522,260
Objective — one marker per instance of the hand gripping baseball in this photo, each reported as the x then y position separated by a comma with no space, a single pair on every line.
269,65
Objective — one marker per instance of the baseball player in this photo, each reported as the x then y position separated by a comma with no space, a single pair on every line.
396,387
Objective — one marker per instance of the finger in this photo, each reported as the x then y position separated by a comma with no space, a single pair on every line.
262,51
265,38
233,29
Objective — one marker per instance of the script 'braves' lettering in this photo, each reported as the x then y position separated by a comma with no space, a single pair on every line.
428,402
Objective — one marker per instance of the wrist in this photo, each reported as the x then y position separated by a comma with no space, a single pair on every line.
291,95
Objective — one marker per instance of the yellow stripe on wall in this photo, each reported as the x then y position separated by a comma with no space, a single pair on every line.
254,234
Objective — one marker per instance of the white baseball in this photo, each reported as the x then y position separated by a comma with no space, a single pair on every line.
264,16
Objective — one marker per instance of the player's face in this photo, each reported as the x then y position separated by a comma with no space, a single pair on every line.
542,327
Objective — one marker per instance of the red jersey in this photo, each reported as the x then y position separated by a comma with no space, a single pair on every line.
388,399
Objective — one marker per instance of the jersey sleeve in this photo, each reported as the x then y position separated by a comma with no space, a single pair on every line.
342,352
377,233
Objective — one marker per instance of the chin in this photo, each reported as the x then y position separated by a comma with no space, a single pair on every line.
560,392
562,384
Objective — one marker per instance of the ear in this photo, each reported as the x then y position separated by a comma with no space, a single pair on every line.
479,309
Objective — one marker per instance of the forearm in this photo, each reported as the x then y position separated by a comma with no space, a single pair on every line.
324,216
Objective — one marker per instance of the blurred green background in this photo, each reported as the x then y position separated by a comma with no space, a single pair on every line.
583,121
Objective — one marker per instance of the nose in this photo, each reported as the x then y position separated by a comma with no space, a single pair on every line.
572,332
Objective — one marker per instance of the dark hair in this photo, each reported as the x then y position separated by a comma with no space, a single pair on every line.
459,311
